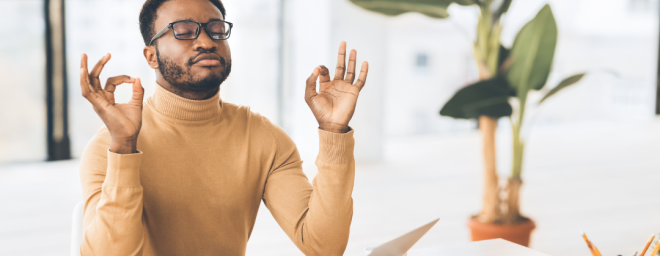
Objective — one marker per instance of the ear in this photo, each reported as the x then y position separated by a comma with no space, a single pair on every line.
150,55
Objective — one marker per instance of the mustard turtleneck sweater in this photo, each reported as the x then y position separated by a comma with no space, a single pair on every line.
195,186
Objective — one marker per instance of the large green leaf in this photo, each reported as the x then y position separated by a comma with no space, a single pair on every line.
532,52
563,84
432,8
483,98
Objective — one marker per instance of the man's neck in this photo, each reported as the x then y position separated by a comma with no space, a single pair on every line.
191,95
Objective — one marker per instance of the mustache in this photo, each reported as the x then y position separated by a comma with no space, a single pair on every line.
191,61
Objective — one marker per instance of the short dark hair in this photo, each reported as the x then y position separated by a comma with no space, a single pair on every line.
148,16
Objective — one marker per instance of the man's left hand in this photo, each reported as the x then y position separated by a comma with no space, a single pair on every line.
334,104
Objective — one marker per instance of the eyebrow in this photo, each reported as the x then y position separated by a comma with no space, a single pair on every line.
189,19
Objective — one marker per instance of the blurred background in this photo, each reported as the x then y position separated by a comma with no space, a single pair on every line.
593,157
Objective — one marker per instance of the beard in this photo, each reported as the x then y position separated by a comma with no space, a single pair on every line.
180,78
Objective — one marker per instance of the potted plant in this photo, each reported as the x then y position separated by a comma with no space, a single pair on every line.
506,76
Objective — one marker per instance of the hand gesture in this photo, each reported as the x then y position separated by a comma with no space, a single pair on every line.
122,120
334,104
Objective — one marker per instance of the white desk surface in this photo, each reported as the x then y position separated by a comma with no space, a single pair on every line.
495,247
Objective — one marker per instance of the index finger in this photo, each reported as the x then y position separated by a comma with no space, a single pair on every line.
83,61
85,85
96,71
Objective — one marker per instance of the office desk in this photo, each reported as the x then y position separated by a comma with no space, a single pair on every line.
495,247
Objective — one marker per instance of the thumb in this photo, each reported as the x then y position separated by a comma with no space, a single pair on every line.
310,88
138,93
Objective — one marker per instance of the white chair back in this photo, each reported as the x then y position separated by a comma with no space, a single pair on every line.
77,228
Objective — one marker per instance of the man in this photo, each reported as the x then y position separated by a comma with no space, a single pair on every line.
184,173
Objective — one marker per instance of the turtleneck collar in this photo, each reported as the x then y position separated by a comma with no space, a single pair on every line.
178,107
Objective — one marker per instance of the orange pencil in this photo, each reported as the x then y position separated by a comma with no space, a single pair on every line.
648,243
655,249
597,251
591,247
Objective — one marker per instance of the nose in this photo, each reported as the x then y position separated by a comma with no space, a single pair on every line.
204,43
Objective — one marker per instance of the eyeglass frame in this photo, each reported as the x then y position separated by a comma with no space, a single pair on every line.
197,32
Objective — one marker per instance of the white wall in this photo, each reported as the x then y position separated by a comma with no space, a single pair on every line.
368,34
400,99
314,30
96,28
254,44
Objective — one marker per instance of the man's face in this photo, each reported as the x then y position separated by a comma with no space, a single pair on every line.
200,64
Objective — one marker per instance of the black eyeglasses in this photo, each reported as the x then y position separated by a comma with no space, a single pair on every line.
189,30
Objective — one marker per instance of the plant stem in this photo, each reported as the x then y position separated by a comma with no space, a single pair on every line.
491,197
486,55
518,150
518,141
487,45
513,200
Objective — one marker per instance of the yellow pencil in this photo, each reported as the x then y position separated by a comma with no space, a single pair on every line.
591,247
648,243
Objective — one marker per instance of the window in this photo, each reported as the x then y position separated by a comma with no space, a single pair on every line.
422,60
22,90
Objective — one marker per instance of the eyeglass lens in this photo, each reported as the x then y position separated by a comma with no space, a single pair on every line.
188,30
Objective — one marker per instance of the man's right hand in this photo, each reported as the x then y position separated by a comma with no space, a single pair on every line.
122,120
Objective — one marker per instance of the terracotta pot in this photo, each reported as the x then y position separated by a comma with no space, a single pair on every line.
518,233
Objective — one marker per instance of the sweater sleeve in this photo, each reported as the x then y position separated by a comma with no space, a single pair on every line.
316,218
113,200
